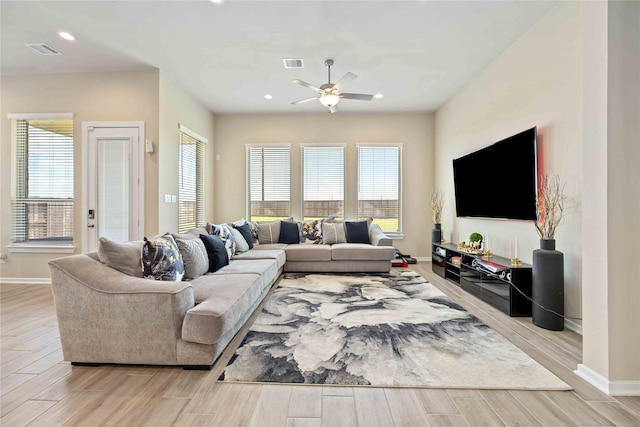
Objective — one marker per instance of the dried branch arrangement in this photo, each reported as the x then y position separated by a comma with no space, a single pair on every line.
549,206
437,202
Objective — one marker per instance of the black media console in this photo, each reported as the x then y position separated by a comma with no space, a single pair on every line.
493,288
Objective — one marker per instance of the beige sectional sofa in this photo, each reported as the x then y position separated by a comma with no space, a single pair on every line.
107,316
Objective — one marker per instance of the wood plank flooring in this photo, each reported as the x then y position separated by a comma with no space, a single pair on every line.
38,388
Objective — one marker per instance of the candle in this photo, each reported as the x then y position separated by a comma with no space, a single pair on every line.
459,241
486,242
516,249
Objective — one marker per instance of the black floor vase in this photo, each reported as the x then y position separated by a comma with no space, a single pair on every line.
436,234
548,286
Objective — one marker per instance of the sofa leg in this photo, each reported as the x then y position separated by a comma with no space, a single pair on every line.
197,367
84,364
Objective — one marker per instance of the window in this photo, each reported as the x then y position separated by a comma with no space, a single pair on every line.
42,182
190,180
379,186
268,181
323,181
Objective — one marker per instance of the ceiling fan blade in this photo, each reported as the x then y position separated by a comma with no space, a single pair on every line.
333,109
358,96
302,101
305,84
346,79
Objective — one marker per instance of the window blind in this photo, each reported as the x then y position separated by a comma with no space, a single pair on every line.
379,186
42,190
323,181
190,181
269,178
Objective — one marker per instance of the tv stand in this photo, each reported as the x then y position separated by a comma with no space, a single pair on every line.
499,289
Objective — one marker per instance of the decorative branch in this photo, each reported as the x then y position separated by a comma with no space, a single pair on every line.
437,202
549,206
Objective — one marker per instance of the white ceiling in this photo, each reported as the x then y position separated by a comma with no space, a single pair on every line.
417,53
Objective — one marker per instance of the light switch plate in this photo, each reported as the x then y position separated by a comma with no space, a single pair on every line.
174,199
167,198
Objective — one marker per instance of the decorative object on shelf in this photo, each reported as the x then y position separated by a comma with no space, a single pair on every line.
548,263
475,240
515,261
473,249
437,202
487,251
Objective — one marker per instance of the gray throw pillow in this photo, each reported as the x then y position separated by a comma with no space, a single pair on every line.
268,232
194,257
241,243
333,232
124,257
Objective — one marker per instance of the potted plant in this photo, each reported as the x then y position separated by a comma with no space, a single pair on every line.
437,202
475,240
548,263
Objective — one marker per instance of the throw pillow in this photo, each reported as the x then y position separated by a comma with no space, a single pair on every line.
268,232
124,257
216,251
357,231
245,231
241,244
225,235
289,232
194,257
311,230
333,232
161,259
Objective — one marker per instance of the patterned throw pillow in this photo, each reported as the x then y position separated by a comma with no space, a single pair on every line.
333,232
161,259
311,231
194,257
225,235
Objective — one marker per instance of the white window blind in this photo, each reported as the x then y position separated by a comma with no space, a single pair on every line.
42,184
379,186
190,181
323,181
269,182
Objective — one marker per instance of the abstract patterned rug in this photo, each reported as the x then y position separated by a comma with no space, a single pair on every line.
389,330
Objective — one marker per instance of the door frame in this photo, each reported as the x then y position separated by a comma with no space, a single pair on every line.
87,127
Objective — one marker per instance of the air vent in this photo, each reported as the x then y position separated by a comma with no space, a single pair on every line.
293,63
43,49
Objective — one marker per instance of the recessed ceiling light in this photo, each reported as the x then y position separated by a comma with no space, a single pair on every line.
217,1
378,96
66,36
268,96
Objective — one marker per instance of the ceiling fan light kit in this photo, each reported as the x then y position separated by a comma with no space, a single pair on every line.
329,94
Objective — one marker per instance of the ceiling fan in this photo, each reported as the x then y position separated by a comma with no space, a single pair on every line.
330,94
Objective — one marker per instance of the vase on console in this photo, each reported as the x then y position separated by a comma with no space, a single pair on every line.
548,286
436,234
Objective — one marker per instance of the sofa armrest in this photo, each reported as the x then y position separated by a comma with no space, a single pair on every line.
377,236
106,316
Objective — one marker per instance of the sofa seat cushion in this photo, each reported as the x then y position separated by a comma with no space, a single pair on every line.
361,252
275,254
266,268
269,246
221,302
308,253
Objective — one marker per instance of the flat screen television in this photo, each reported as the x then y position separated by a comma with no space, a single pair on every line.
499,181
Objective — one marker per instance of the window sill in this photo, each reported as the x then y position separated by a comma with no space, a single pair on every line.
41,249
395,236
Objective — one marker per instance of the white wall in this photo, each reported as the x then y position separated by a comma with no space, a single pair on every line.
415,131
535,82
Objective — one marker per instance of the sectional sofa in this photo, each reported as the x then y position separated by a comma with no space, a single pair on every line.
113,315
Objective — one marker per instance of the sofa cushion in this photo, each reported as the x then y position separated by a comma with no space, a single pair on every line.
311,231
266,268
222,301
357,231
308,253
289,233
161,259
195,257
270,246
124,257
276,254
333,232
268,232
217,253
245,231
361,252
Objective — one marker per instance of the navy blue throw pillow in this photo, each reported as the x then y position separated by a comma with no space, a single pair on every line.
289,232
218,256
357,231
245,230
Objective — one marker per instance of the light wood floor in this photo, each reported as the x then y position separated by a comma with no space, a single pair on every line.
39,389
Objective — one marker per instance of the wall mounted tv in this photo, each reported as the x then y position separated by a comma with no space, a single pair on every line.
499,181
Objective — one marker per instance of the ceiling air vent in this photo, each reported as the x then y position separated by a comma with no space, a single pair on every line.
293,63
43,49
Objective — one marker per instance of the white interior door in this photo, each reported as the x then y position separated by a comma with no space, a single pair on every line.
113,191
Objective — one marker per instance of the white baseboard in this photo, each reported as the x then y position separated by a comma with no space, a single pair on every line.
612,388
573,326
423,258
26,280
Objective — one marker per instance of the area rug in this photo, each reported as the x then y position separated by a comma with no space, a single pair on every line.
391,330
